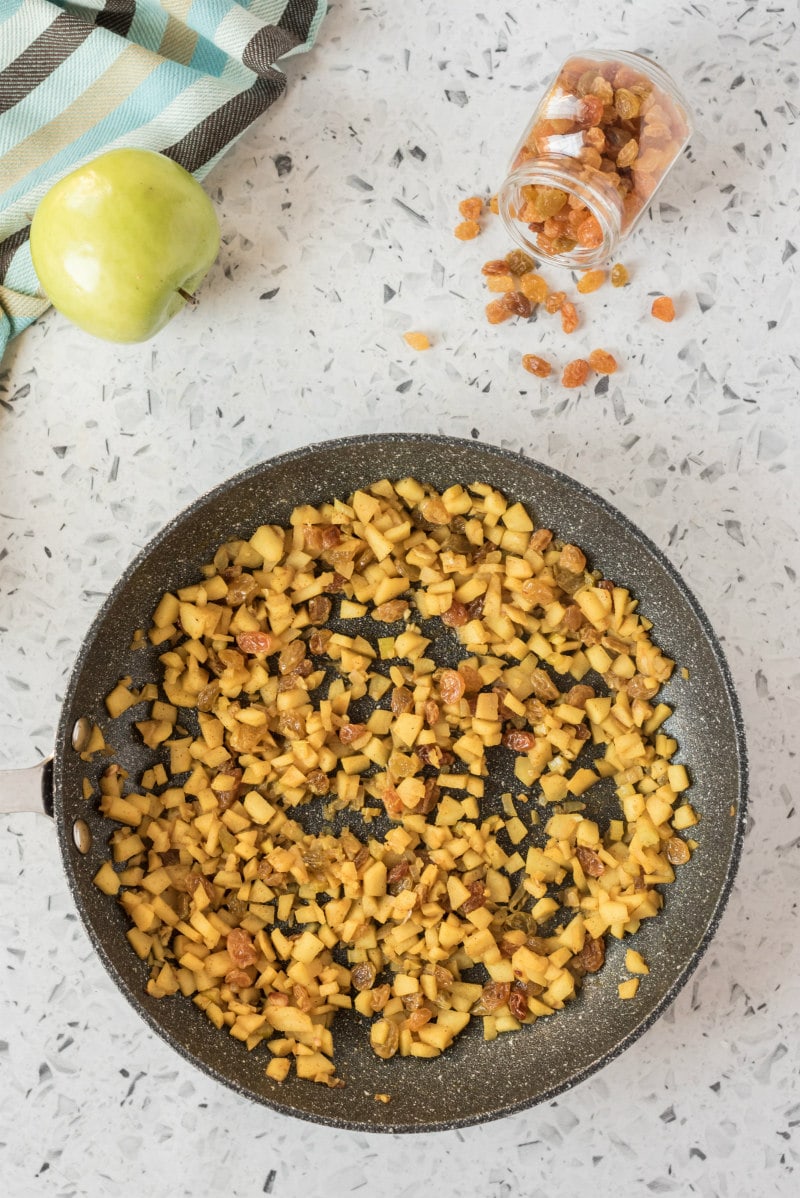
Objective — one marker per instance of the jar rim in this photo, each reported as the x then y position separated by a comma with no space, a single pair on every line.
561,172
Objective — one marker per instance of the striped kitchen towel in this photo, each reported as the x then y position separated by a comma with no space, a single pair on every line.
185,77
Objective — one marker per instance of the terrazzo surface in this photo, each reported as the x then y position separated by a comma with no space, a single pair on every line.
337,213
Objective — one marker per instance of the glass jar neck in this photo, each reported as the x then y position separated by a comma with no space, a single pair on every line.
587,187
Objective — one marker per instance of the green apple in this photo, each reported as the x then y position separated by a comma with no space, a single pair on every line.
121,244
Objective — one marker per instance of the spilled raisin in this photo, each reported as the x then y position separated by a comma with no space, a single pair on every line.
569,317
536,365
575,373
467,230
519,263
591,280
518,303
602,361
663,309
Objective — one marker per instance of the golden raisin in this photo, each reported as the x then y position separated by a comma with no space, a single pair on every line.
575,373
237,979
539,592
494,205
402,700
563,244
591,157
595,138
318,782
577,695
517,303
319,609
591,280
471,208
476,899
591,864
534,287
318,641
540,539
417,340
475,608
456,615
257,642
627,104
500,283
554,301
590,110
495,266
390,612
451,686
519,740
602,88
434,511
592,955
418,1019
518,1002
472,679
380,996
519,263
677,851
590,235
493,996
467,230
663,308
573,559
291,657
602,362
628,154
362,976
384,1038
656,130
555,225
497,312
548,201
241,949
536,365
619,276
569,317
350,732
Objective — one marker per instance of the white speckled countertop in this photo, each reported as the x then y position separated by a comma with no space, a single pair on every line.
403,110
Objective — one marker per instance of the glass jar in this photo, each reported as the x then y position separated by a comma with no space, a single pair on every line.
608,131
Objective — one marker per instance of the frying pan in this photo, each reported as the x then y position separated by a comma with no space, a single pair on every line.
473,1081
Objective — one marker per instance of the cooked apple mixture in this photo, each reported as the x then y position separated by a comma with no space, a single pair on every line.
297,690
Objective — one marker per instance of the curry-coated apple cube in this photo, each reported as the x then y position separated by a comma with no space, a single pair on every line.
268,542
635,963
307,947
107,880
685,817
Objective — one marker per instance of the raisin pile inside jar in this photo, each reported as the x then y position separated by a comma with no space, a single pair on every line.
615,131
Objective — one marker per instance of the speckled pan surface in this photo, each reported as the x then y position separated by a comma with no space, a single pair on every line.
473,1081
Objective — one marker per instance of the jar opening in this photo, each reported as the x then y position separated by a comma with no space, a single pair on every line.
561,174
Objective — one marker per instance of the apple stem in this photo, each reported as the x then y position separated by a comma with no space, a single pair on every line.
190,299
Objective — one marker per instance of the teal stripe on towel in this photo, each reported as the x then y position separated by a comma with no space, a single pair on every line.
148,25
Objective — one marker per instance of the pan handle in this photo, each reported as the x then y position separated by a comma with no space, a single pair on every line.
27,790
